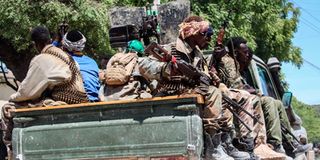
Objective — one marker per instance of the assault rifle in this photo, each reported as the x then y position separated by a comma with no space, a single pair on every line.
192,73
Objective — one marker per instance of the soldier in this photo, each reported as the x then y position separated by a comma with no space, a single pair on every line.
52,74
122,76
194,35
73,43
230,67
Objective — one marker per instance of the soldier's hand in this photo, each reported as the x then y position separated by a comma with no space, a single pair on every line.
202,89
223,88
215,78
250,89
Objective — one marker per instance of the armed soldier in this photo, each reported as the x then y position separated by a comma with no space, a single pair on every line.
52,74
122,77
236,60
194,35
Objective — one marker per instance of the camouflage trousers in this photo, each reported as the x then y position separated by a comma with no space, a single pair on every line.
252,104
275,115
7,125
217,117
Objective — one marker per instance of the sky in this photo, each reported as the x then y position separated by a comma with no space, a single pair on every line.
304,83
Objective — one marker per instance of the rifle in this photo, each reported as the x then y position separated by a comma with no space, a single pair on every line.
286,130
62,29
192,73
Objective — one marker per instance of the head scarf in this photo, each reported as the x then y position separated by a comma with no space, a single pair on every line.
188,29
74,46
136,46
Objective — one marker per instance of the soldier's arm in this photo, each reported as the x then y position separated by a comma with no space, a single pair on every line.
229,73
152,69
43,74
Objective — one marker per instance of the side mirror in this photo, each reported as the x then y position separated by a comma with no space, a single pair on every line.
286,99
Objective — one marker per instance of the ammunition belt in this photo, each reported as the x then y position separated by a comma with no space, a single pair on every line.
67,91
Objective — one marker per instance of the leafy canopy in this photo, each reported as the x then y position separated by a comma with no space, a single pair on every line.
19,16
267,25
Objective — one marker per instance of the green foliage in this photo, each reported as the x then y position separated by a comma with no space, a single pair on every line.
130,3
267,25
310,116
19,16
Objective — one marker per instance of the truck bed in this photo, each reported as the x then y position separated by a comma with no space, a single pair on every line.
132,129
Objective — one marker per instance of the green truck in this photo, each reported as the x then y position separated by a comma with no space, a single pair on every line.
158,128
161,128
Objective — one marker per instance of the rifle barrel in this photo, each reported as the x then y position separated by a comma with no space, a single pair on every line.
237,106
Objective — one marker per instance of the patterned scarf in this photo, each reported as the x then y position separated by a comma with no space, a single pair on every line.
74,46
188,29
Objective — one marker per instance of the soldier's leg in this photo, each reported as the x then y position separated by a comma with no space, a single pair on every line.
245,136
262,150
7,127
212,114
271,115
298,148
284,120
242,98
218,122
259,128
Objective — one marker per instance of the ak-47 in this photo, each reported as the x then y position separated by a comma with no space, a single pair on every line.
62,29
192,73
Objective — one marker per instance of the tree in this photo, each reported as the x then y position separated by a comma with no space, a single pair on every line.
267,25
19,16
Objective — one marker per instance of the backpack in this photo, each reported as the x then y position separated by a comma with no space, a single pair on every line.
120,67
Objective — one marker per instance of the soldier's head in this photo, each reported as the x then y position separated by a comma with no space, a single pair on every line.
40,37
239,50
136,46
74,41
196,32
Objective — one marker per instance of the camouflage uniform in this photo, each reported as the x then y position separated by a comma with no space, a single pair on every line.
213,115
130,90
228,69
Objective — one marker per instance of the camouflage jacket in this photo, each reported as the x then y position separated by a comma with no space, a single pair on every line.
152,68
229,73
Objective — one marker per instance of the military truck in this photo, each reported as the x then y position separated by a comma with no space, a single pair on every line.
161,128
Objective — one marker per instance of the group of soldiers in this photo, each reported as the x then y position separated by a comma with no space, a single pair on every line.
61,74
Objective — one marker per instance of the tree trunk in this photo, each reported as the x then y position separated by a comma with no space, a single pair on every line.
17,62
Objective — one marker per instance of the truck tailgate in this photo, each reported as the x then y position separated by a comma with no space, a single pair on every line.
169,126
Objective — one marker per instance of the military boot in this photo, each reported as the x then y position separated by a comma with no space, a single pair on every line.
250,148
278,148
214,150
231,150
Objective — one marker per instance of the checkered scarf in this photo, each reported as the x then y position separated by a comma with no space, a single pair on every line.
74,46
188,29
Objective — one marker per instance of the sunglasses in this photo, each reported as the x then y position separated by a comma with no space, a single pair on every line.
208,33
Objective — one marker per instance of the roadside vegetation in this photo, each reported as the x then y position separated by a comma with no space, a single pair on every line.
310,116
